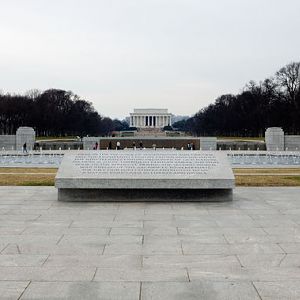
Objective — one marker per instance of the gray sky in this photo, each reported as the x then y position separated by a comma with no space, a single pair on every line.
125,54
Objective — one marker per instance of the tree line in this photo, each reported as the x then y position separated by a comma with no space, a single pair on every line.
54,112
272,102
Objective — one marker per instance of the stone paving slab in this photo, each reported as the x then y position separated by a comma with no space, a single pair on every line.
199,290
245,249
83,290
12,289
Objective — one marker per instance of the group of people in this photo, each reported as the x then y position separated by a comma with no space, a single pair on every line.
118,145
191,146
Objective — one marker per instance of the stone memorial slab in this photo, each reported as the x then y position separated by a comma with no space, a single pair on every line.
144,174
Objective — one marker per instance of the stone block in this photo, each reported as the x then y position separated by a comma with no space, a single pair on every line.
274,137
25,135
145,176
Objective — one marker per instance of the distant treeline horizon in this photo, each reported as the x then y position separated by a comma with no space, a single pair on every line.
54,113
274,101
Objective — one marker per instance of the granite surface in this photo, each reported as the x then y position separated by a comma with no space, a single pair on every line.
245,249
97,175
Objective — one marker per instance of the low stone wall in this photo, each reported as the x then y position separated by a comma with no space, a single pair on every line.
149,142
239,145
90,141
16,142
208,143
276,140
7,142
58,145
292,142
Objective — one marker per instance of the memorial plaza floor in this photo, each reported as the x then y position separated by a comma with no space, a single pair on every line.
245,249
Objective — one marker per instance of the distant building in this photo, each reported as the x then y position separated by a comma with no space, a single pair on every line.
150,118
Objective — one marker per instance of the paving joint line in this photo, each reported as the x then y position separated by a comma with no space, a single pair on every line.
21,295
182,252
284,256
142,261
60,239
226,240
71,223
4,248
140,293
256,290
188,274
278,244
45,260
103,249
94,274
237,257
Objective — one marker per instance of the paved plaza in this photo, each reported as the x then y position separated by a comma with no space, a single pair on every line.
245,249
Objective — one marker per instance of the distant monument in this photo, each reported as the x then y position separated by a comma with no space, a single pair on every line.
150,118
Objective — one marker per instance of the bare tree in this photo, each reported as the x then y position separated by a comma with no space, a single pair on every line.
288,78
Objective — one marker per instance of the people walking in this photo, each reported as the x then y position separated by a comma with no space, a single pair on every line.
96,146
25,148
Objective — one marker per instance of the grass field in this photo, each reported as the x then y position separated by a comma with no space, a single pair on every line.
244,177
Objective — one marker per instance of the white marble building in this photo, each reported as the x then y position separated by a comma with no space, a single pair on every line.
150,118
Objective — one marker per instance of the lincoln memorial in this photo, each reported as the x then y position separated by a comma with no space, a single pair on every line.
150,118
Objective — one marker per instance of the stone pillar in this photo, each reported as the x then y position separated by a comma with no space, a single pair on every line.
25,135
274,138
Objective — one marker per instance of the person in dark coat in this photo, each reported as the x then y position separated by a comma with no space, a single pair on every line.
25,148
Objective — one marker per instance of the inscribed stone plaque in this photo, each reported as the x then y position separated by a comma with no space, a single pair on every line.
145,169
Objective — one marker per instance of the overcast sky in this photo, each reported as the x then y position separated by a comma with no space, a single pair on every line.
125,54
